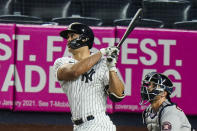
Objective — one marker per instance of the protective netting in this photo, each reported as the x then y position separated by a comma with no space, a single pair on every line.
156,13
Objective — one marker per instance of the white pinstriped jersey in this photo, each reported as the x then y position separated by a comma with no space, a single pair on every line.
86,94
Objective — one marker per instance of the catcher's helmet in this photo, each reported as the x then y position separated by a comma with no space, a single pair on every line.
83,30
161,83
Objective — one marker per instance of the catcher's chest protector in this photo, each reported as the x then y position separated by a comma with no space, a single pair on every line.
157,121
152,119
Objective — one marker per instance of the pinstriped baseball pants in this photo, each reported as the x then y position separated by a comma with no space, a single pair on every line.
101,122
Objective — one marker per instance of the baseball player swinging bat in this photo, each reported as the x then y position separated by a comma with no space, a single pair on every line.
130,28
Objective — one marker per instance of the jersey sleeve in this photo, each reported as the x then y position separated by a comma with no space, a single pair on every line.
170,120
58,63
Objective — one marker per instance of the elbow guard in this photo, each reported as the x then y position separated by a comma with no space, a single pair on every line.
116,98
112,96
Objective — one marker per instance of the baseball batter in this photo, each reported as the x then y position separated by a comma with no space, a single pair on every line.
161,114
87,79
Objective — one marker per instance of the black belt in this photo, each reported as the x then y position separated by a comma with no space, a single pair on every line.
80,121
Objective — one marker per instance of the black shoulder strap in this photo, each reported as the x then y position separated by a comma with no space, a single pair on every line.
160,112
144,117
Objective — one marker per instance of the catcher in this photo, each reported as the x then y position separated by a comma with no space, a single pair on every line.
162,114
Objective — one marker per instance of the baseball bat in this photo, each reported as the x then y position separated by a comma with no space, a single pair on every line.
130,28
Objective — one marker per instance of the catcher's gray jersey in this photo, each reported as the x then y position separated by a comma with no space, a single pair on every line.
86,94
168,118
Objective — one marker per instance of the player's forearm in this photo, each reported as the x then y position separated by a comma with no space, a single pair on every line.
115,84
86,64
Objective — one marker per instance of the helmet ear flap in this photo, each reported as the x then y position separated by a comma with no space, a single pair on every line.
86,40
83,38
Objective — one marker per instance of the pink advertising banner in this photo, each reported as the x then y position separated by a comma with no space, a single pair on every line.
172,52
38,47
28,74
7,64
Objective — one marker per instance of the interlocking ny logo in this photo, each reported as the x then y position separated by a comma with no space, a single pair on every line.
88,76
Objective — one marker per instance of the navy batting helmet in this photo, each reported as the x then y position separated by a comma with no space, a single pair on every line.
82,29
161,83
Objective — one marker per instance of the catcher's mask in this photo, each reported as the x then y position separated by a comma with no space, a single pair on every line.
153,84
86,37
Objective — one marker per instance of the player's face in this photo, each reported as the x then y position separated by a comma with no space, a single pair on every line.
151,85
71,36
